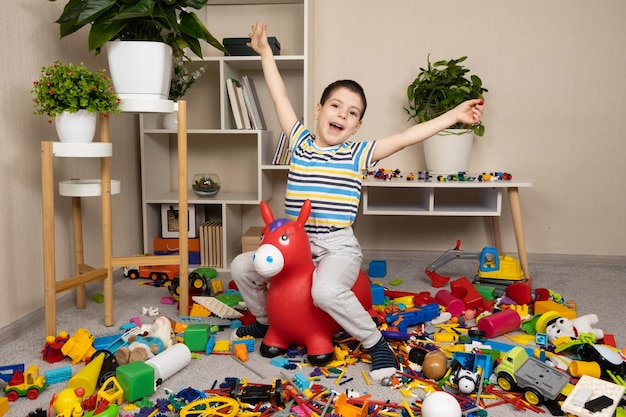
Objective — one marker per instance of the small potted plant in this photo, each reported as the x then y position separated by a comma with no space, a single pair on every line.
440,87
67,90
182,80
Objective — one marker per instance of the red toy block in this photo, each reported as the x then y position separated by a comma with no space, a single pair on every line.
464,289
520,292
609,340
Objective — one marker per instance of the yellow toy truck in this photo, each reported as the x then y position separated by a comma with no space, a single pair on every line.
25,384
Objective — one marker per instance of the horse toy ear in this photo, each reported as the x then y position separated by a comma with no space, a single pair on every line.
305,211
266,213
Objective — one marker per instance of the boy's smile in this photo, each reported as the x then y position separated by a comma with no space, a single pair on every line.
339,118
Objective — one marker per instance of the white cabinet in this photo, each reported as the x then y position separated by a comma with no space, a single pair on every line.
242,158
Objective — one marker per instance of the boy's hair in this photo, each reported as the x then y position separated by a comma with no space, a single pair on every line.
350,85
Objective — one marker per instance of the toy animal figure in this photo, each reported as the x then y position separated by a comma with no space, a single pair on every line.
284,255
573,328
155,339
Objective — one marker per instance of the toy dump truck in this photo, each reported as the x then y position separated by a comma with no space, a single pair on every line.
25,384
536,380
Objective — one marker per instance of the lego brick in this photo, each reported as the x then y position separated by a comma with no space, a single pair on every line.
172,245
136,379
599,388
196,336
378,268
549,305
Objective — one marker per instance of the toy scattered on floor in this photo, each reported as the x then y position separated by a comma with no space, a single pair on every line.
494,270
27,383
574,328
155,339
285,255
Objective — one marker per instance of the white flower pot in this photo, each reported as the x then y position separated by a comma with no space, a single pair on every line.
449,151
78,127
140,70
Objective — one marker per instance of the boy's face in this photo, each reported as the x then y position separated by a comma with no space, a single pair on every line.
339,118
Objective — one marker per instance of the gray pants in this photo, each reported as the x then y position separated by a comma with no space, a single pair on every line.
338,258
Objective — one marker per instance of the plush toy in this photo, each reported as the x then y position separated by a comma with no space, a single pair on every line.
155,339
285,256
561,326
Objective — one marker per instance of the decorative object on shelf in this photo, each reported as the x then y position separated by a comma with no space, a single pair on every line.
206,185
440,87
181,81
162,21
72,93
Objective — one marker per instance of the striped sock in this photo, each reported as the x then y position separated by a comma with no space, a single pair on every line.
256,330
383,360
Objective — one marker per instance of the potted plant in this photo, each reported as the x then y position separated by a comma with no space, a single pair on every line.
68,91
440,87
182,80
168,22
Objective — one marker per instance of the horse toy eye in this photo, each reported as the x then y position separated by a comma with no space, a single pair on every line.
284,239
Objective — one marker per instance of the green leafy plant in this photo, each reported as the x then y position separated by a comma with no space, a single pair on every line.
440,87
182,78
167,21
68,87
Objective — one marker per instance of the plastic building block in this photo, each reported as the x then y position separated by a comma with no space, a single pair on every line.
453,304
279,361
541,307
136,379
210,345
4,406
378,294
6,372
378,269
62,374
463,289
240,352
222,346
599,388
247,341
301,381
197,336
79,346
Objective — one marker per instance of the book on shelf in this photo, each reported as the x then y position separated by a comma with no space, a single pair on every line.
241,100
253,99
234,102
211,244
282,154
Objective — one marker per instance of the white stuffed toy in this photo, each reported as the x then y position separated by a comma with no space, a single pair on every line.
154,339
573,328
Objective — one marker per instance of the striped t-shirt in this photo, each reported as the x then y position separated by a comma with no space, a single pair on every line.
330,177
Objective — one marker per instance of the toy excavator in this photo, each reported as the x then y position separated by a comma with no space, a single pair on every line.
494,270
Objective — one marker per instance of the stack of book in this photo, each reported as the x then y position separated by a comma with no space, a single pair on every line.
244,104
282,154
211,244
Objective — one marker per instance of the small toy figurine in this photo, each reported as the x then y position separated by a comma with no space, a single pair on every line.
158,337
573,328
285,255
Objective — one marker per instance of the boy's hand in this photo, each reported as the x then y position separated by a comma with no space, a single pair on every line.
469,112
258,38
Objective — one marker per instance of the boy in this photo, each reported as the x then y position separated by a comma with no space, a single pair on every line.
326,168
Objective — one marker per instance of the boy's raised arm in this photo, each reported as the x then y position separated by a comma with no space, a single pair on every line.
282,106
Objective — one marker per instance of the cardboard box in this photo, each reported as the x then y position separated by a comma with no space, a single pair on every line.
172,245
238,47
169,220
250,239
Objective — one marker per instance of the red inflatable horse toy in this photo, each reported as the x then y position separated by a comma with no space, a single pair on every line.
284,255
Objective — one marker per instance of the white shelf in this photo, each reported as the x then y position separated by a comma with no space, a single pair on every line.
400,197
86,188
242,158
82,150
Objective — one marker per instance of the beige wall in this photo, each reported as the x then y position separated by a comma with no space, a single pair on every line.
31,40
555,74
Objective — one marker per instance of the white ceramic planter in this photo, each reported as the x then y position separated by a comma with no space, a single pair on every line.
78,127
140,70
449,152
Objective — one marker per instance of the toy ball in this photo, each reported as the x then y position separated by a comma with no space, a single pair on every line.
440,403
435,365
